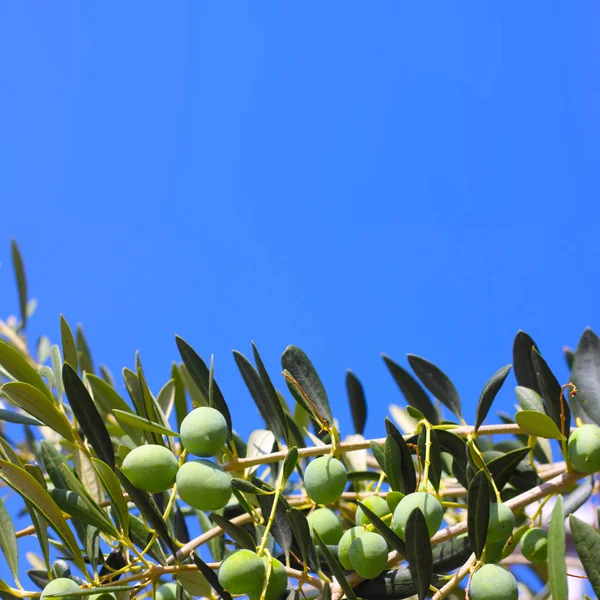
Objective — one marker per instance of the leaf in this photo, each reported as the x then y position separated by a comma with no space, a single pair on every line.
529,399
181,408
268,405
249,488
557,550
290,462
260,443
335,567
587,544
211,576
299,366
21,280
24,484
149,510
437,382
111,484
399,466
538,424
435,458
378,451
140,536
31,400
451,443
86,364
87,416
133,420
503,467
586,375
522,362
492,387
8,541
551,392
579,496
166,398
200,375
281,528
9,416
358,403
235,532
301,534
418,552
478,513
451,554
393,540
68,343
17,366
415,395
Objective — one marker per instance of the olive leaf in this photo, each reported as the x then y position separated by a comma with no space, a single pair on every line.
8,541
557,549
418,552
478,513
587,544
491,389
358,403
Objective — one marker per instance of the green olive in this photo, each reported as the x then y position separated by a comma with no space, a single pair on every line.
242,572
344,545
534,545
61,585
325,479
278,580
584,448
492,582
167,591
430,507
152,468
204,485
368,554
377,505
203,432
327,524
501,523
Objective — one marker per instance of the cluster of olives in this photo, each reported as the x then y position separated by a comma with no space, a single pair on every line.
201,483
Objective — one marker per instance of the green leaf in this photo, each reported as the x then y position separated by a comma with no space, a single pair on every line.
492,387
299,366
290,462
456,446
24,484
200,375
56,361
31,400
437,382
8,541
538,424
393,540
478,513
181,408
435,457
235,532
399,466
41,531
140,536
87,416
83,352
335,567
529,399
586,375
10,416
556,405
281,528
587,544
111,484
557,550
358,403
503,467
133,420
17,366
522,363
418,552
17,261
211,577
268,404
301,532
415,395
378,451
579,496
248,488
166,398
68,343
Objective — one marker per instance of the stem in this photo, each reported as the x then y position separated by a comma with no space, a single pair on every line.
265,537
427,455
460,575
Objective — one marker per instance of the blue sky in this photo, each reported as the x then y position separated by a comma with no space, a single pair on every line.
350,178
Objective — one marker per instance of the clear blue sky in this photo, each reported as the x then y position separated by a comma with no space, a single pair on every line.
353,178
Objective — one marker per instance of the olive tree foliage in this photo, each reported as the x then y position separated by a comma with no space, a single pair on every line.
435,507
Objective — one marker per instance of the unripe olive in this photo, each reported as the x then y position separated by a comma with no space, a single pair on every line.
278,580
203,485
242,572
534,545
430,507
327,524
368,555
501,523
492,582
61,585
584,448
203,432
151,468
377,504
325,479
167,591
344,545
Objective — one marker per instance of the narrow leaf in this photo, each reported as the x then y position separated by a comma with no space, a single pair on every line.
31,400
281,528
399,466
378,451
297,363
586,375
10,416
418,552
587,544
211,577
529,399
181,408
8,541
87,416
235,532
111,485
522,362
19,269
133,420
335,567
86,364
478,515
290,462
437,382
538,424
492,387
17,366
415,395
393,540
74,505
248,488
503,467
358,403
68,343
557,550
301,533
